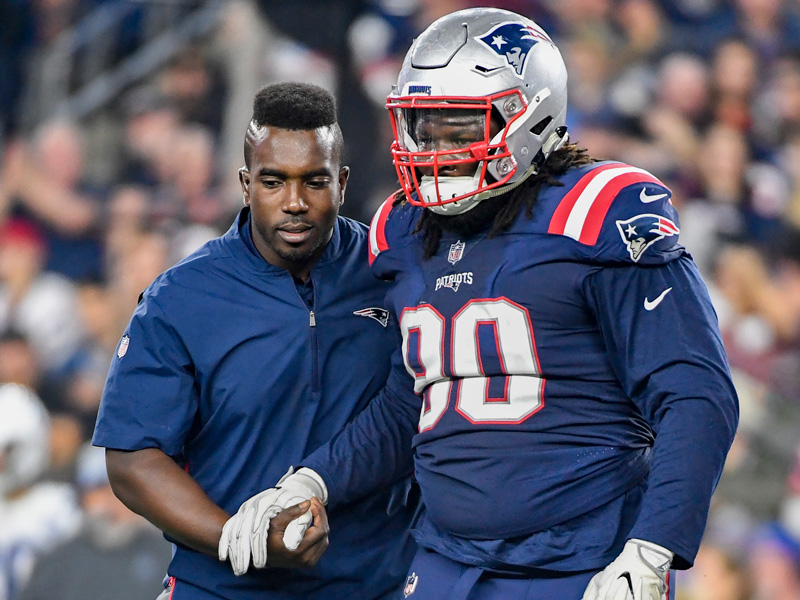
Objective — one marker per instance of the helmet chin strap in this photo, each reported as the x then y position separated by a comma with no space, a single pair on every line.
555,141
449,186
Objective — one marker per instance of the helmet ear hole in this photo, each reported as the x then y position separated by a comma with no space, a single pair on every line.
541,126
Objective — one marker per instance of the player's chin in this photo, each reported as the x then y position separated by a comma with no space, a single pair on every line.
298,252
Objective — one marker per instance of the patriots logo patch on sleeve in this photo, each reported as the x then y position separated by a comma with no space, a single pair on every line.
513,41
642,231
381,315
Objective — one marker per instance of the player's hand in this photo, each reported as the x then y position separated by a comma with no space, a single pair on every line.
638,573
292,489
234,543
245,533
313,543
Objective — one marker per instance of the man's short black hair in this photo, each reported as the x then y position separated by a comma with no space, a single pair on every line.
294,106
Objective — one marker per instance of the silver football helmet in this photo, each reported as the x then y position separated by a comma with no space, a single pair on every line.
24,438
484,87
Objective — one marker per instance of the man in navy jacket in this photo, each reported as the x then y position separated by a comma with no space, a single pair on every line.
251,353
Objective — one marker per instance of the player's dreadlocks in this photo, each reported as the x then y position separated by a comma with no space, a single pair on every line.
503,210
291,105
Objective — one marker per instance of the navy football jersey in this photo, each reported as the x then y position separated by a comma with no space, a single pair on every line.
547,360
230,368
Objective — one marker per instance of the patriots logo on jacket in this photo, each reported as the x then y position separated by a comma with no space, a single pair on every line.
381,315
513,41
642,231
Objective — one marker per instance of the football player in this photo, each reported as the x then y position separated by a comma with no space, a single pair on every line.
575,401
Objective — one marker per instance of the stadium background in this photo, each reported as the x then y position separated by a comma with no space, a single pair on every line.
121,125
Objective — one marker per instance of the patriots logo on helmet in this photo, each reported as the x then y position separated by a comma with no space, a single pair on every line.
381,315
642,231
513,41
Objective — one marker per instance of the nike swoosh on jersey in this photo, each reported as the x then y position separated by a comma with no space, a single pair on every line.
650,305
647,198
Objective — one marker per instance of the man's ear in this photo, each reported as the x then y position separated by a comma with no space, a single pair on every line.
244,180
344,173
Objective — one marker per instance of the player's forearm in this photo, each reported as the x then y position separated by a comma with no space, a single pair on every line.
151,484
688,458
372,452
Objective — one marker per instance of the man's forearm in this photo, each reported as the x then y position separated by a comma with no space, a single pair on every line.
151,484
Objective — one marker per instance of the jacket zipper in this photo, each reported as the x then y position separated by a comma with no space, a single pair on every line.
315,383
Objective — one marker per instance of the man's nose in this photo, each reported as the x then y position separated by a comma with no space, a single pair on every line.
452,170
448,151
293,201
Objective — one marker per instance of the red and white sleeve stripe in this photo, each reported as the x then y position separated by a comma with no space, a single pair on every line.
377,229
581,212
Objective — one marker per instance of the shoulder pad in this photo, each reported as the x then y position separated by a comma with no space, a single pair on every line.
624,213
391,228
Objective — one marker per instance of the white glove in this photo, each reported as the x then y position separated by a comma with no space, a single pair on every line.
294,489
638,573
245,533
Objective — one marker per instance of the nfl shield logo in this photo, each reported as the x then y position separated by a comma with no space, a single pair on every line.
411,585
456,252
123,346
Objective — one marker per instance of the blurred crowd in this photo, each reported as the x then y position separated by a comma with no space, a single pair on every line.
705,94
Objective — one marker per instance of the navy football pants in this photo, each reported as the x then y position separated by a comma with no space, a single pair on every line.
434,577
181,590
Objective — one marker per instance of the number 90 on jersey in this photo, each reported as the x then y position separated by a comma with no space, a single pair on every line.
491,359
